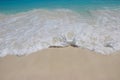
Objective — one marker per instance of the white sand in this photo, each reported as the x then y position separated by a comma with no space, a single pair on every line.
61,64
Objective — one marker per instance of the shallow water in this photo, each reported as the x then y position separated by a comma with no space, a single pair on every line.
15,6
25,32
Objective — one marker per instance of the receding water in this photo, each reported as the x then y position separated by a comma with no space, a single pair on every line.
27,26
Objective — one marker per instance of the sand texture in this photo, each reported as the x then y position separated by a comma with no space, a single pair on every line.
61,64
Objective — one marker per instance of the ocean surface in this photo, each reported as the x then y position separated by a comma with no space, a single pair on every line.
27,26
15,6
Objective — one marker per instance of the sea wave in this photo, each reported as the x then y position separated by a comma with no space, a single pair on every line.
27,32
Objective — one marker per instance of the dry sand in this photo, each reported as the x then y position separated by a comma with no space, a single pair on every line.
61,64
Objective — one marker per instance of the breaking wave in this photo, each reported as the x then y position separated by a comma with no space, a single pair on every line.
28,32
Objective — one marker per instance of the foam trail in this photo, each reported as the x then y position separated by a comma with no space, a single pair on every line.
28,32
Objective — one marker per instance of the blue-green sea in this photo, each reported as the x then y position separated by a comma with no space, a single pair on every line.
27,26
14,6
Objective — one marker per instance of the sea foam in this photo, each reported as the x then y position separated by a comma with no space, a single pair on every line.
28,32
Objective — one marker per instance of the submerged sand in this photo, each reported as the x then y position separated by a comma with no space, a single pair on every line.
61,64
38,29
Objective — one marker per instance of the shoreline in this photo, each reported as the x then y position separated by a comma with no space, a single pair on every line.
61,64
39,29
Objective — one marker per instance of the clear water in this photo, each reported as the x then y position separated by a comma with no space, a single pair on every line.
14,6
27,26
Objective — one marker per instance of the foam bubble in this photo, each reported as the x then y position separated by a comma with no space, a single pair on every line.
28,32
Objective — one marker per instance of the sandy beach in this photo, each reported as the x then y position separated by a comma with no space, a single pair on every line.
61,64
65,39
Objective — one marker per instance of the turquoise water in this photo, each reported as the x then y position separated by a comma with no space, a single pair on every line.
33,25
13,6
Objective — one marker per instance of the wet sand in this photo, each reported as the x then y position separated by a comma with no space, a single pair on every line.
61,64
